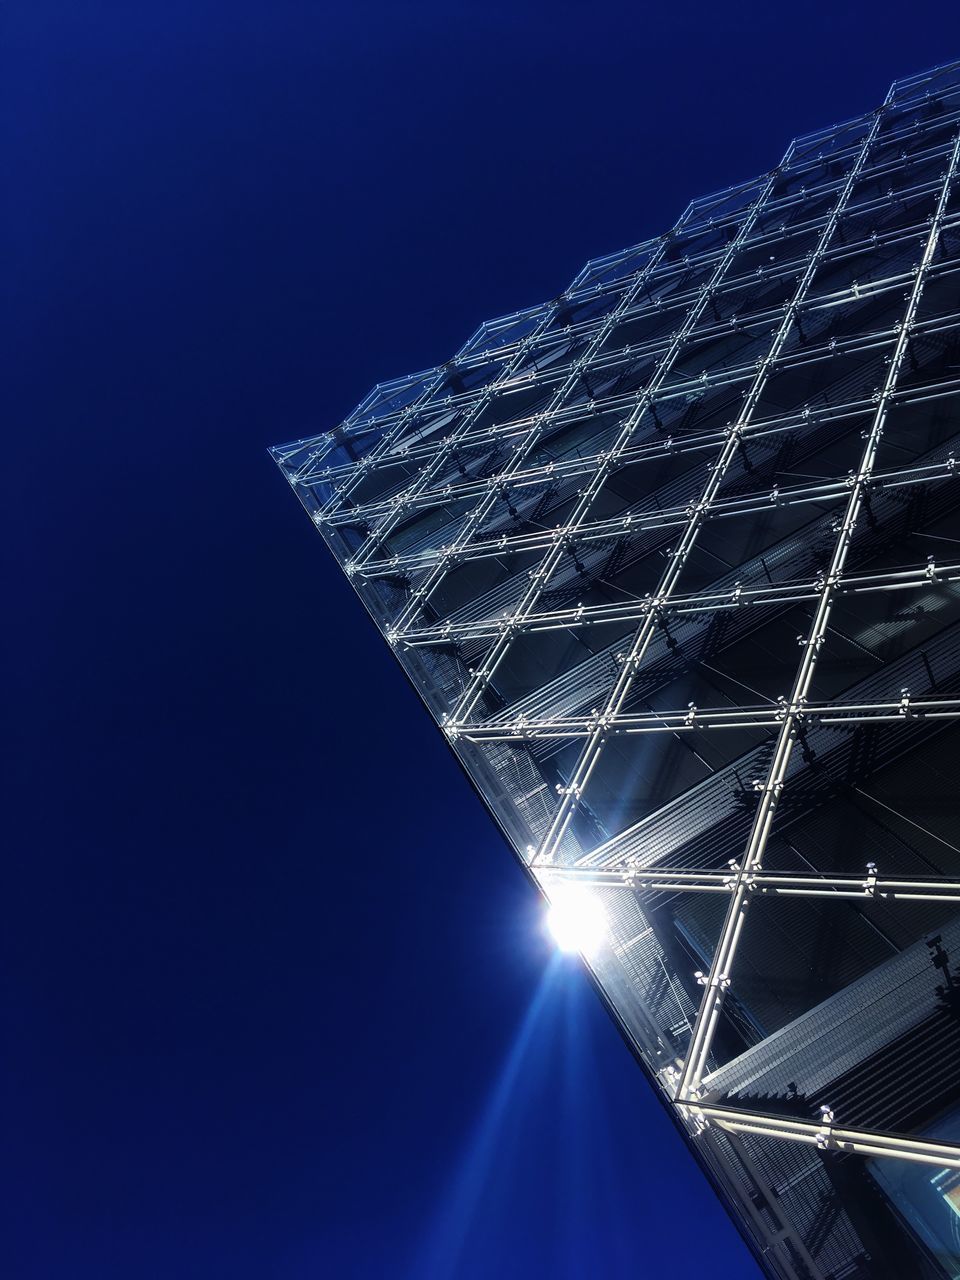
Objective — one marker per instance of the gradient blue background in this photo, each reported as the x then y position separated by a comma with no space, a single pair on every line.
277,1001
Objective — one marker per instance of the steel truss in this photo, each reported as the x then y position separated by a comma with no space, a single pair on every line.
624,357
487,506
695,1064
406,502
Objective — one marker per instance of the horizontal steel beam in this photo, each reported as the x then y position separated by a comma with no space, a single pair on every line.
825,1135
760,883
831,489
409,498
571,414
703,719
311,471
471,355
578,334
732,598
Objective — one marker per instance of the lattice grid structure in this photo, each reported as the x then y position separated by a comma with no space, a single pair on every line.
674,560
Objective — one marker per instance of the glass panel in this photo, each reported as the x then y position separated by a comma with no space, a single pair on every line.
927,1198
844,985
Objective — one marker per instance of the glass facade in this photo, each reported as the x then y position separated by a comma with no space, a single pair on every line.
674,561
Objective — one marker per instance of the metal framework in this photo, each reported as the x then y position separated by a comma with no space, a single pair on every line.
713,486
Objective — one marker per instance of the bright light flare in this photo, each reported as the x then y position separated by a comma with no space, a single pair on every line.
576,919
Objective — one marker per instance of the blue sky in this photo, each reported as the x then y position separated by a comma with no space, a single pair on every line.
278,1002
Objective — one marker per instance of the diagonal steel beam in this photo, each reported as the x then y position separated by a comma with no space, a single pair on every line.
526,444
540,576
719,976
668,583
399,508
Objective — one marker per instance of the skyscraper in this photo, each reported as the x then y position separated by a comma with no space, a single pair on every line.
674,561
